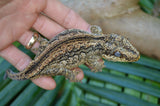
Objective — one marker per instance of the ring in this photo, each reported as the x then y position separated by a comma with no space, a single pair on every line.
32,41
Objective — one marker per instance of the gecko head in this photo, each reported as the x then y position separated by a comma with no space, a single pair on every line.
117,48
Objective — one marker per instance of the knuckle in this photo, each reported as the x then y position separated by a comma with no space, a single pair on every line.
70,19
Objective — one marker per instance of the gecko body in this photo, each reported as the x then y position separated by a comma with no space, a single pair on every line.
74,47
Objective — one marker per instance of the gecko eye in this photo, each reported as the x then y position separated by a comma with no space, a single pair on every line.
117,54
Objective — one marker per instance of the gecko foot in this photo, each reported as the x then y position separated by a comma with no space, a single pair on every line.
71,75
95,64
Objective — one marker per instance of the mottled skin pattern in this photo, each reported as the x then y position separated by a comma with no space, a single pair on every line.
74,47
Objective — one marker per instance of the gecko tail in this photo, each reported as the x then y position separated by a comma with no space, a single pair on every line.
12,75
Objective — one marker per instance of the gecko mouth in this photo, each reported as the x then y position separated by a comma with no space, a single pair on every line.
137,58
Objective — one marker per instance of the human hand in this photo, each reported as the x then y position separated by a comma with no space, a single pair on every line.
18,16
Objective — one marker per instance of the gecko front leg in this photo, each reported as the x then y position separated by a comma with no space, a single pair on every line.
95,63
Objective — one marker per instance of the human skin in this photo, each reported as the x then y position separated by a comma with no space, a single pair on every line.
16,19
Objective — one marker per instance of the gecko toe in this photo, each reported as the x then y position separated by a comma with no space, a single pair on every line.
5,76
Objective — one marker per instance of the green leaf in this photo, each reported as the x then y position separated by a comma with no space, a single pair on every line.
146,5
48,97
114,95
125,82
17,44
66,95
27,96
89,102
10,91
74,96
149,62
135,69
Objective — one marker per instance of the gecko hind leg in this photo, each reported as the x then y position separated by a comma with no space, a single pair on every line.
43,44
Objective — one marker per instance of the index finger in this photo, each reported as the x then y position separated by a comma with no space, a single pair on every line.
64,15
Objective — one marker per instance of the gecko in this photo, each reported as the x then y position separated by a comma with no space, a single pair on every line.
73,47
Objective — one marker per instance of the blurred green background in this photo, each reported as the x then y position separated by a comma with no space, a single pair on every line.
120,84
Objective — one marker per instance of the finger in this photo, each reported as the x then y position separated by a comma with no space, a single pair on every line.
20,60
16,57
25,39
45,82
23,6
64,15
47,27
16,17
13,26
